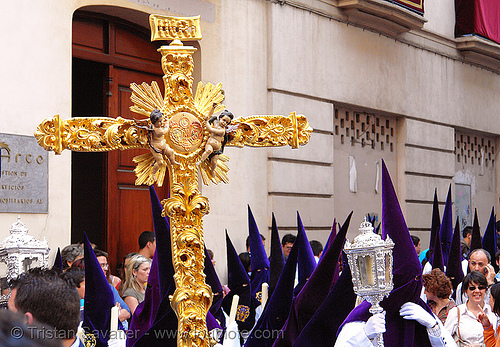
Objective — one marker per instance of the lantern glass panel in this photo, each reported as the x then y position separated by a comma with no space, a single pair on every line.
365,264
388,268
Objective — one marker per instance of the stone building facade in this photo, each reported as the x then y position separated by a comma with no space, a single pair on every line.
375,80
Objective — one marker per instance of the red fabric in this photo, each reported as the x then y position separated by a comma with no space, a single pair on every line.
481,17
416,5
487,19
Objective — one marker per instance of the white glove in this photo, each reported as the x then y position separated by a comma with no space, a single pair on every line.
375,325
412,311
117,343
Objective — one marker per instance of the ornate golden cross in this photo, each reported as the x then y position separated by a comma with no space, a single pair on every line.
177,140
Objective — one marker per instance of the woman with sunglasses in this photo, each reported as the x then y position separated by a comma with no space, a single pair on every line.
489,327
462,321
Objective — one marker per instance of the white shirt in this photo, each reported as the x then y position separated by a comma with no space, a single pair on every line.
471,331
427,268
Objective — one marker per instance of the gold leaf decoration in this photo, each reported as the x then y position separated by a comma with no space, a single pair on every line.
270,131
90,134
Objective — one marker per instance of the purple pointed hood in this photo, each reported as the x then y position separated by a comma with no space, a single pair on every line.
155,313
278,306
239,283
145,313
276,260
237,275
98,297
329,242
315,290
490,238
437,258
259,263
446,230
332,235
475,241
213,281
321,330
407,275
435,225
454,269
307,262
58,260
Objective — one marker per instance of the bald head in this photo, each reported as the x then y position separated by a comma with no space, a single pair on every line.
478,260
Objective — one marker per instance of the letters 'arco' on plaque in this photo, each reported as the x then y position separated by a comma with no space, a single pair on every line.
178,130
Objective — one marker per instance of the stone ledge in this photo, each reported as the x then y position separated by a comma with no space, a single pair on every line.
480,51
381,16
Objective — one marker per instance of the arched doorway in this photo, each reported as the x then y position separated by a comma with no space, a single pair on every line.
109,54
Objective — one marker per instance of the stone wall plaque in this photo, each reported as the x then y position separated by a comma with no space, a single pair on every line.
23,175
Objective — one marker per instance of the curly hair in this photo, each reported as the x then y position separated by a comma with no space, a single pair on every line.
437,283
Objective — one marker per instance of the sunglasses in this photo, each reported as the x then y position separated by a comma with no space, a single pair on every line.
480,288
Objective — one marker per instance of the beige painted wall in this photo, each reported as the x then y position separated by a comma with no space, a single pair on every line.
272,59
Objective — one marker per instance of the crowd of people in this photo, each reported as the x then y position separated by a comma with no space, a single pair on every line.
447,297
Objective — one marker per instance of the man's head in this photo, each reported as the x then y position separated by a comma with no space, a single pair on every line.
287,243
147,244
102,258
416,243
211,255
44,296
14,332
71,253
247,242
245,260
76,276
478,260
467,234
317,247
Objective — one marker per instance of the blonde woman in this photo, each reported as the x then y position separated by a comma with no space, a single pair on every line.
136,278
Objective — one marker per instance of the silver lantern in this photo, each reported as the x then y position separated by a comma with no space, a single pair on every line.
21,252
370,260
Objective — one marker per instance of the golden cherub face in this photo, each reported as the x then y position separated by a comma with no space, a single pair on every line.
224,121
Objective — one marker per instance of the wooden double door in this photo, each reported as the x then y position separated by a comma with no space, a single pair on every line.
107,56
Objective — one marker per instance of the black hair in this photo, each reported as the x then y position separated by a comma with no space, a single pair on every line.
226,113
415,240
50,299
155,116
245,260
474,277
247,242
15,333
498,225
145,237
495,293
316,246
99,253
288,238
74,276
467,230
